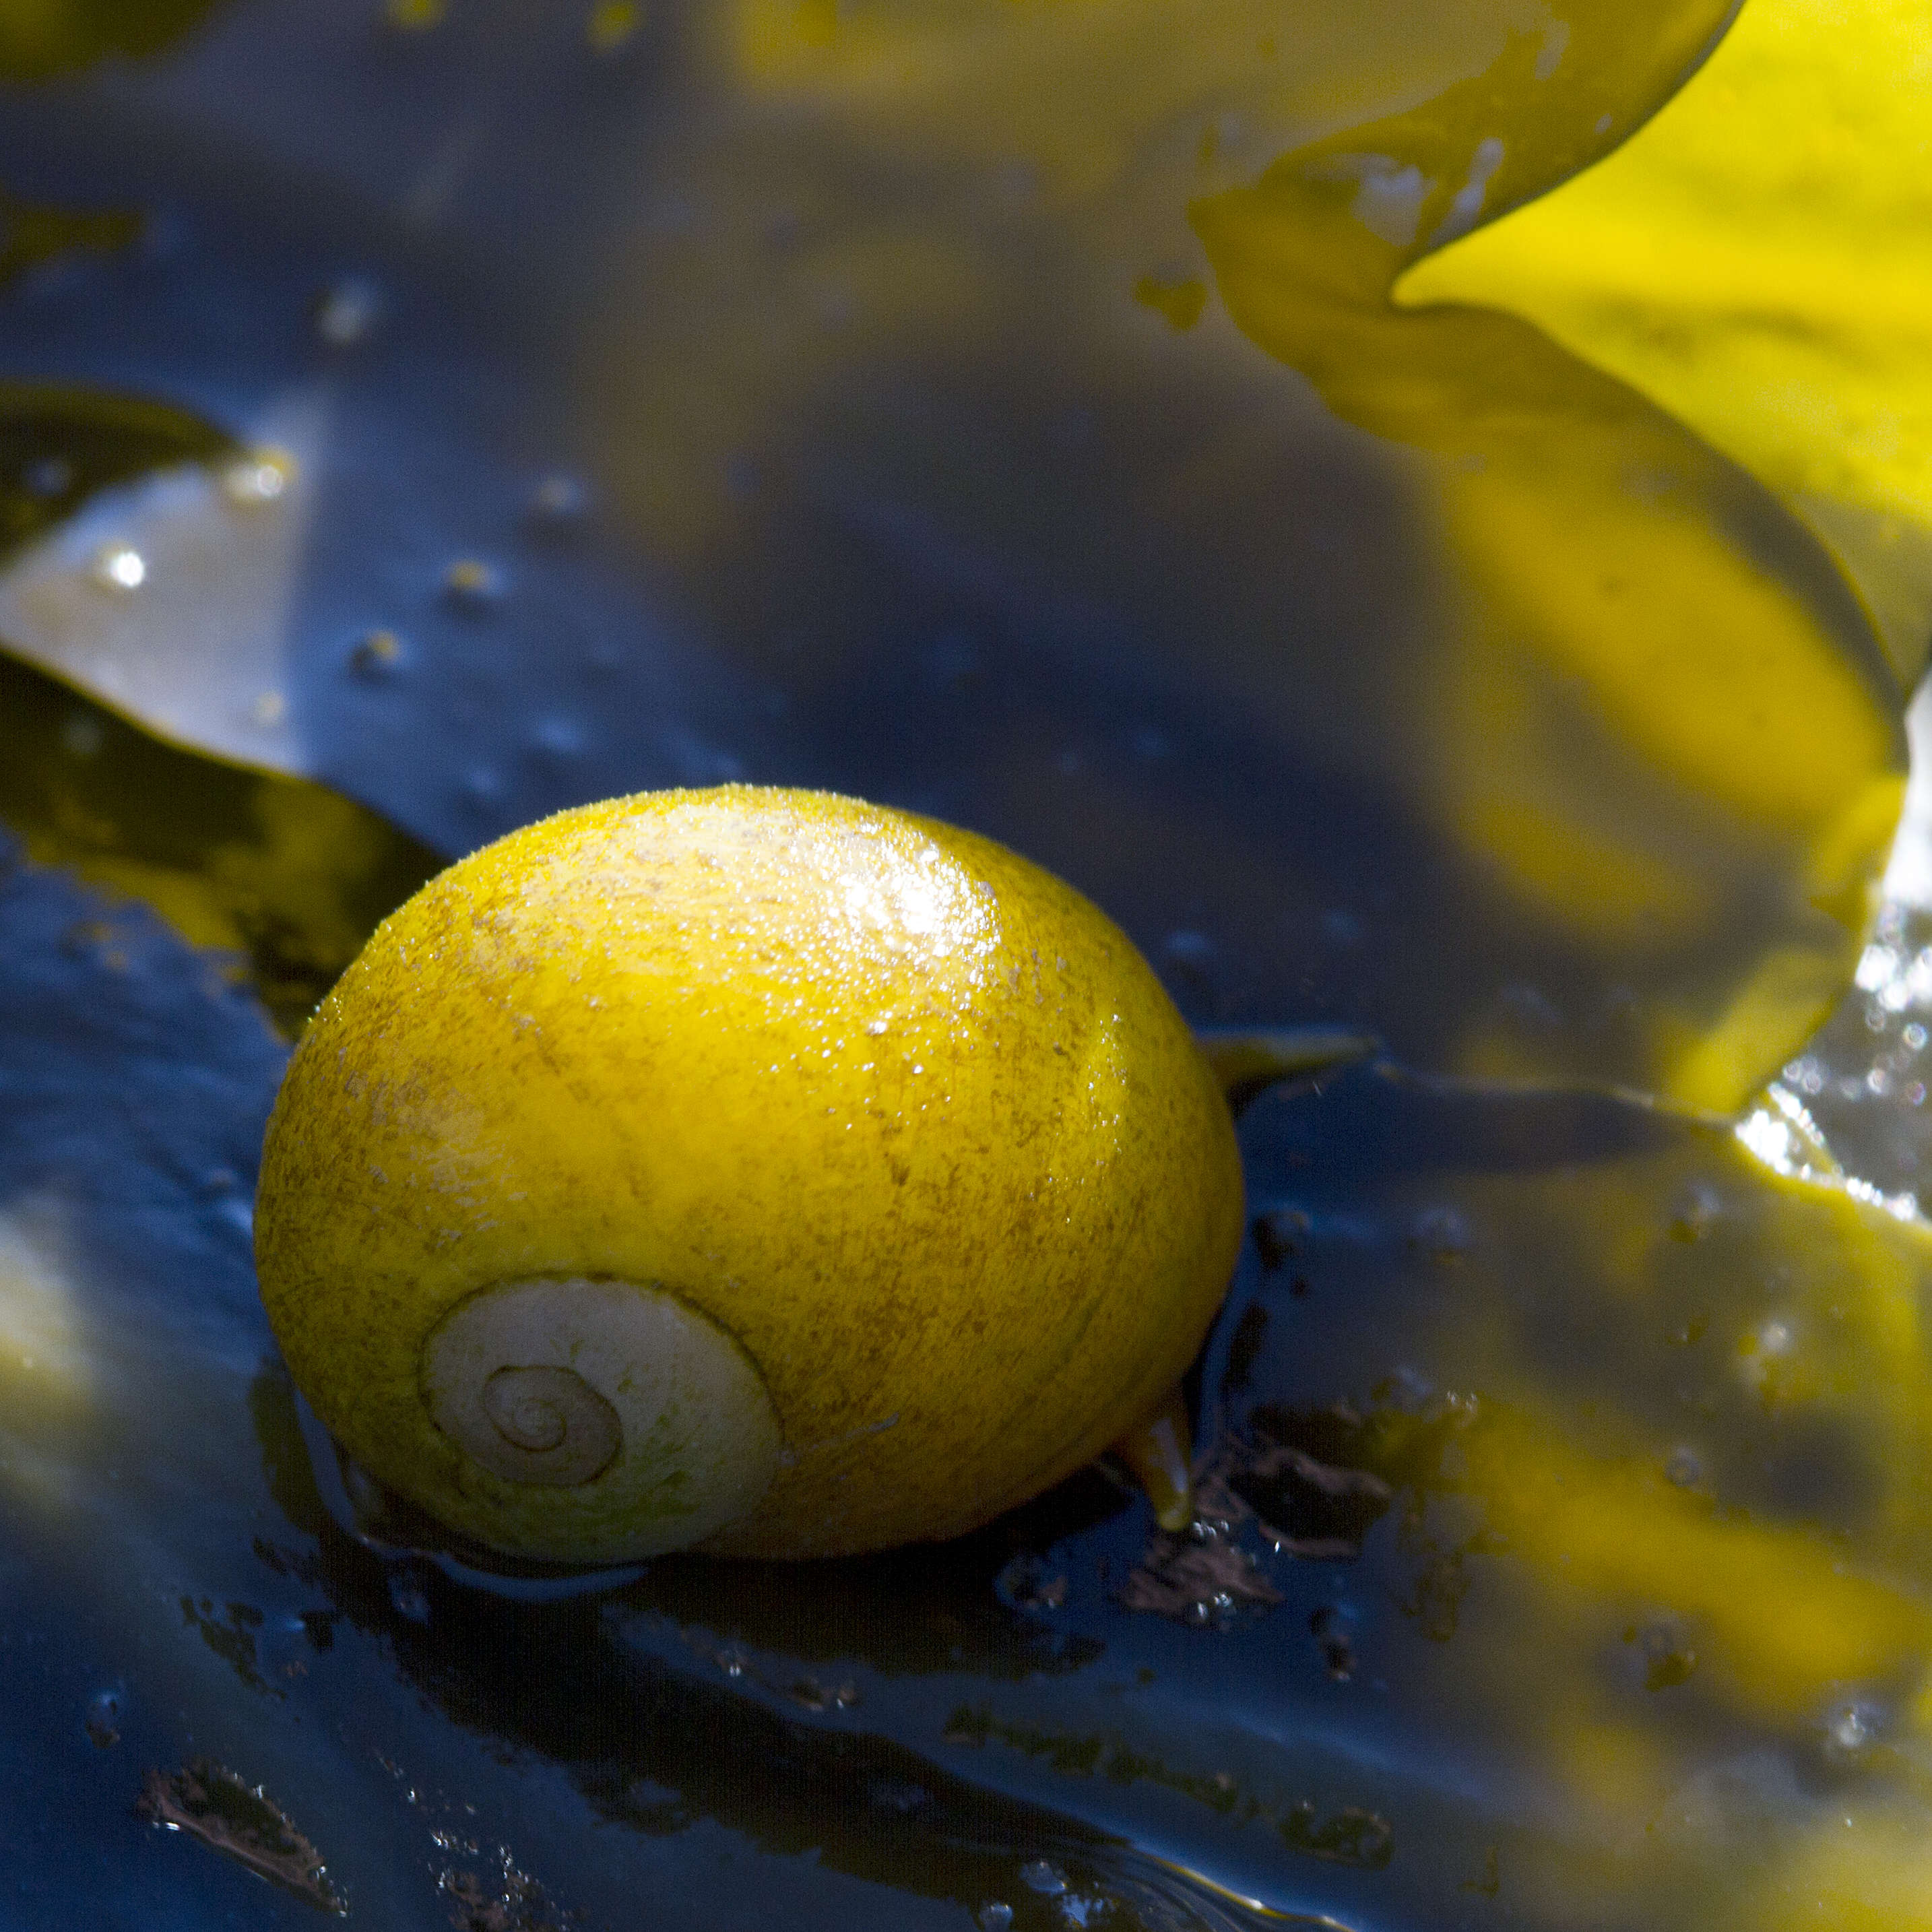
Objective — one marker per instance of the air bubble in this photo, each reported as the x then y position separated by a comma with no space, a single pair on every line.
1048,1880
1683,1468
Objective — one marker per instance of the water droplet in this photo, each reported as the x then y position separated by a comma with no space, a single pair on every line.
1048,1880
996,1917
559,737
612,23
81,736
407,1595
1853,1726
1441,1234
376,655
47,476
1329,1627
472,584
1668,1661
1028,1583
259,478
1683,1468
1696,1214
1189,949
1280,1234
268,709
120,567
560,499
102,1721
346,312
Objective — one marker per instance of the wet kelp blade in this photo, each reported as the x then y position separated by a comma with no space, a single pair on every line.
1617,587
1400,1676
916,422
1755,260
1544,706
279,880
39,40
1564,1502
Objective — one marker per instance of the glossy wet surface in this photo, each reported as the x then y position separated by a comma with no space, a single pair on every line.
998,420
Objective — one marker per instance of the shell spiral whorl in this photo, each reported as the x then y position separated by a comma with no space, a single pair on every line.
549,1426
618,1393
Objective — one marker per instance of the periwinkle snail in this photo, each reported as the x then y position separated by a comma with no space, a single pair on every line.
756,1171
